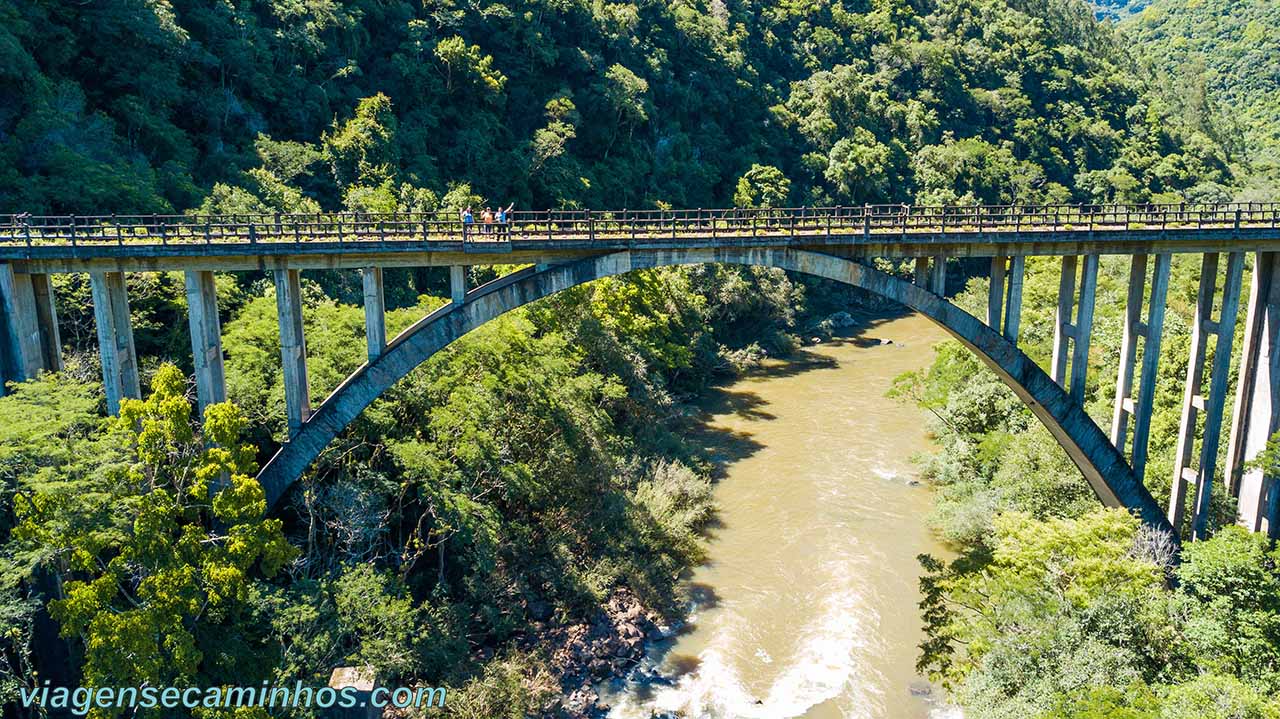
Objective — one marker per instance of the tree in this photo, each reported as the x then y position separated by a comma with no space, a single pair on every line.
464,63
1232,588
363,150
163,586
762,186
625,92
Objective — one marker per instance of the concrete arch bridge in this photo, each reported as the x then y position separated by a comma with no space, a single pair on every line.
567,248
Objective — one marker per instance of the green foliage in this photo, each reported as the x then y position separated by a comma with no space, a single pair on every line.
50,440
161,107
510,688
365,617
1072,618
1220,62
1233,624
762,186
363,149
157,534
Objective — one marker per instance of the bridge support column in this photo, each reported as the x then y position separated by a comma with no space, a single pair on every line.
1069,336
29,340
458,283
1150,331
1256,416
938,275
115,338
375,312
995,292
1193,401
47,318
206,338
921,276
293,349
1013,306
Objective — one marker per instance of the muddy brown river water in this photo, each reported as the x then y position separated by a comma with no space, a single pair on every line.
806,606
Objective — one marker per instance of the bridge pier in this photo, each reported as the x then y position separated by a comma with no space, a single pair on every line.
1013,303
115,338
1073,336
995,291
1256,416
921,275
1150,331
293,349
375,312
1193,401
206,338
457,283
938,275
29,340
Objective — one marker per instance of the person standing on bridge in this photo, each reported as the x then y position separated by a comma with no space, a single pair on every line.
503,220
467,220
487,218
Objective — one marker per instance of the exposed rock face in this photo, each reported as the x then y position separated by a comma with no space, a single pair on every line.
586,653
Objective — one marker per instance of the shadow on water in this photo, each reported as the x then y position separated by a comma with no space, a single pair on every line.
798,362
702,595
726,401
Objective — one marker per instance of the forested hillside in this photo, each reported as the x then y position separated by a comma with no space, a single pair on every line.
133,106
1226,52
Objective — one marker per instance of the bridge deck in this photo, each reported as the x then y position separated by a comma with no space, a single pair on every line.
69,243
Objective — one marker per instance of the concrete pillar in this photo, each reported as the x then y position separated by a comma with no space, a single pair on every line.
115,338
458,283
375,312
293,349
1083,327
921,275
21,348
206,338
995,292
1126,406
1193,400
1128,351
1062,327
1013,308
1256,416
938,275
47,319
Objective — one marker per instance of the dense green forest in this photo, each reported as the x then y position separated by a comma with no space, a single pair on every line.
1055,607
1222,56
131,106
537,470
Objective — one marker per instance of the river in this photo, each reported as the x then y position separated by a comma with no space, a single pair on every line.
806,606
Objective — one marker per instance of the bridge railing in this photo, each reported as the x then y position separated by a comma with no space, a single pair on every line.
446,225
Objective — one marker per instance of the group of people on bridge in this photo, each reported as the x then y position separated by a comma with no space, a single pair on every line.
491,221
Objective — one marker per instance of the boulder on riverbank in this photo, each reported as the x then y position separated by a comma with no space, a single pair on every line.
586,653
842,320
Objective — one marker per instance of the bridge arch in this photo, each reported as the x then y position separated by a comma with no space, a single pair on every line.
1088,447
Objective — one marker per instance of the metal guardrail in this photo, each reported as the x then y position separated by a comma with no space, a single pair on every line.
592,225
